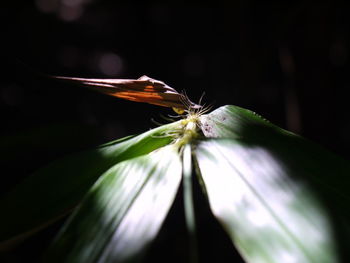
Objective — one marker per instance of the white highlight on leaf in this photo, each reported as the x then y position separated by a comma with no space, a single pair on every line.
146,214
270,216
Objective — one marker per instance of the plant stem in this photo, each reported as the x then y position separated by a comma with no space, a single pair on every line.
188,203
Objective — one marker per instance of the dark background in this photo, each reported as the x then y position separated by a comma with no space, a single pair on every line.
287,61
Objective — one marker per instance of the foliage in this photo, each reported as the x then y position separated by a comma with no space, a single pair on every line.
279,197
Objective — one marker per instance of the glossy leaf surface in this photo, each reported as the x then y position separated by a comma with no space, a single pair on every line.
56,189
123,211
324,170
270,217
301,187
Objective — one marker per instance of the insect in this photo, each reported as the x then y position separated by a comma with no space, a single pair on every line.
144,89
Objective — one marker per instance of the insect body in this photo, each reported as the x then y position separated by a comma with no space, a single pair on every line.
144,89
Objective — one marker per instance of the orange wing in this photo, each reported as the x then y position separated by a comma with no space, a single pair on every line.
144,89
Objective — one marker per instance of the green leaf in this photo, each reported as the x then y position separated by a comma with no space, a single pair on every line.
270,216
233,122
54,190
123,211
315,179
327,171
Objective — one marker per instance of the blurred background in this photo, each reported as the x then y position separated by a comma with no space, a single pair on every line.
288,61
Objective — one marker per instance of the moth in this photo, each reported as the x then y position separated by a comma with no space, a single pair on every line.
144,89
